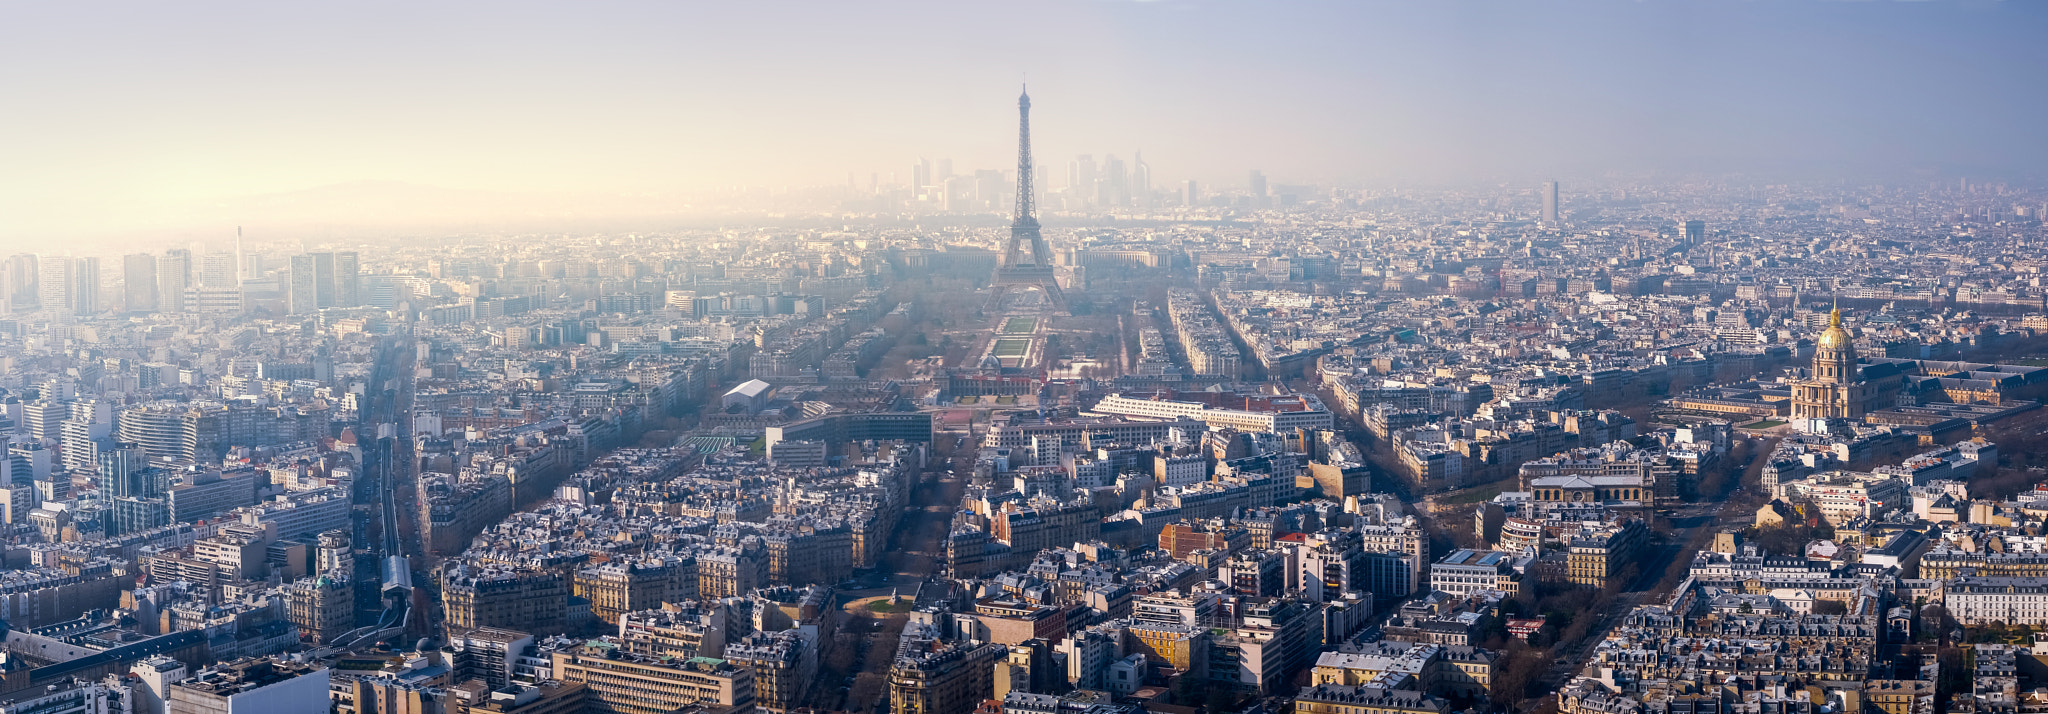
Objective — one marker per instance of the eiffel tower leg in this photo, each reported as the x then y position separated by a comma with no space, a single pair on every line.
1054,295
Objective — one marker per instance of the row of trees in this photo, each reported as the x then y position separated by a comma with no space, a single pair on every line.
1569,614
1792,536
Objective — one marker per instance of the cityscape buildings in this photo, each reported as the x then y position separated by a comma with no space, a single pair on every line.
629,474
974,440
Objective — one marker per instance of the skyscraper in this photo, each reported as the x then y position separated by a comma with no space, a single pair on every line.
1258,188
218,270
85,286
1114,188
53,284
122,472
22,280
347,286
173,275
323,279
1081,176
989,188
1550,203
1141,180
302,296
138,283
83,433
955,192
1189,193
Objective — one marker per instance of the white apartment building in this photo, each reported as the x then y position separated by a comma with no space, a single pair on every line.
2013,601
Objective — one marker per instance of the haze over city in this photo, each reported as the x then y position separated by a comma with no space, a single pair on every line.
167,122
1170,357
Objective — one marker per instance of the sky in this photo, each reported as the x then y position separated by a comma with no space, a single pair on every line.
152,121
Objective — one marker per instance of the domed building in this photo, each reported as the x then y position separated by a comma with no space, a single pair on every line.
1836,390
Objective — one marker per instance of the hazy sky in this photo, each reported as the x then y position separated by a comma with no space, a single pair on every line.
161,117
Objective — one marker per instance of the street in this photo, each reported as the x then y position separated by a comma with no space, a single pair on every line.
1689,523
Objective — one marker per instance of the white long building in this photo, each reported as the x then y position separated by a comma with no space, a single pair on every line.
1021,433
2014,601
1285,413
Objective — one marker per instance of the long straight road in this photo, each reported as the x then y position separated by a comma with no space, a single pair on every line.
1690,522
385,478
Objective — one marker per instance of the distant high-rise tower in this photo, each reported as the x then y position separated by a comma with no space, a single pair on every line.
219,271
1190,194
173,275
1026,261
347,285
1114,188
323,279
1258,185
53,284
85,286
123,473
1695,232
1082,177
22,279
302,294
1141,180
1550,203
138,283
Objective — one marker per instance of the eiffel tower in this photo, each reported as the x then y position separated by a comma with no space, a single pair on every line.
1026,262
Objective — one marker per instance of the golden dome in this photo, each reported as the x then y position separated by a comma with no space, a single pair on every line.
1835,338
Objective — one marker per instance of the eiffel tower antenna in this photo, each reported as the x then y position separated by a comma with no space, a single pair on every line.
1026,208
